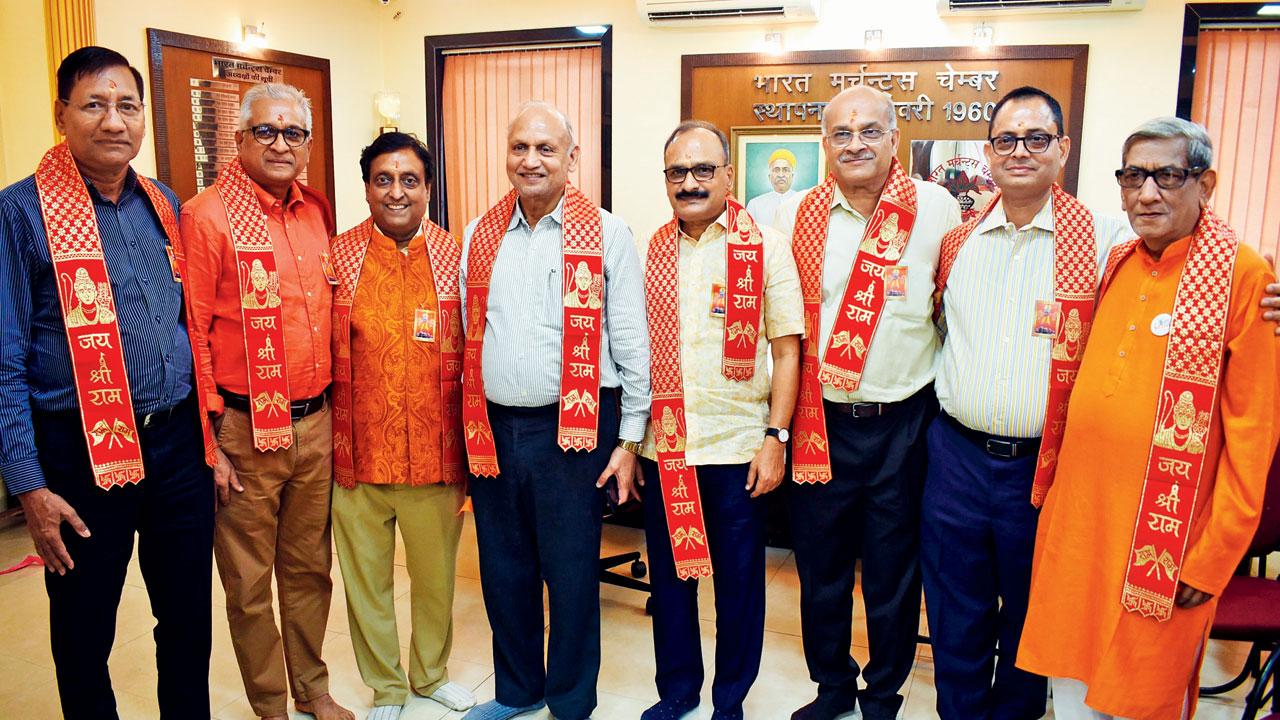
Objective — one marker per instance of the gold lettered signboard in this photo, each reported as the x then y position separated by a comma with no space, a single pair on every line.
943,100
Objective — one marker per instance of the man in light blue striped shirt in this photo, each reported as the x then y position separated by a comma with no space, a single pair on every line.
539,518
978,524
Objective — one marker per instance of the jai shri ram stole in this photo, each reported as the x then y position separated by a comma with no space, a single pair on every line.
883,244
443,253
1185,413
744,273
583,257
90,318
260,309
1075,270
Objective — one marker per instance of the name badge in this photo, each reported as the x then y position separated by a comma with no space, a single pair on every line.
895,282
424,325
173,263
326,266
719,301
1046,320
1161,324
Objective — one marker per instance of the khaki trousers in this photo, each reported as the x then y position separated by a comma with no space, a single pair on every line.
364,531
280,522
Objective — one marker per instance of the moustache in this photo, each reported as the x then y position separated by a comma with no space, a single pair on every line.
847,156
693,195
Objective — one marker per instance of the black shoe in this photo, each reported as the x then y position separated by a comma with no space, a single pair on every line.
827,706
879,708
735,714
669,710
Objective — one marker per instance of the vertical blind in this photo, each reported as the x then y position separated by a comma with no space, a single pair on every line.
483,90
1237,98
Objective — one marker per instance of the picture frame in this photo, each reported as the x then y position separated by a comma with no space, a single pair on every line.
753,149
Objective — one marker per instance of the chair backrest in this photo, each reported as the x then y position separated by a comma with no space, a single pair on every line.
1267,538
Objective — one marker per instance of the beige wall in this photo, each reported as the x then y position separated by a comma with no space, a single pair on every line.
1133,66
26,103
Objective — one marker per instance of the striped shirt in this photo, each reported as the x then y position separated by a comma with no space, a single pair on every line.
525,323
993,374
35,363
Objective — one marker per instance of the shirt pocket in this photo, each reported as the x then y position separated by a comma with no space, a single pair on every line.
552,297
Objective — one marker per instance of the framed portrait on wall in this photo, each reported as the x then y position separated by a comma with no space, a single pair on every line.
772,164
960,166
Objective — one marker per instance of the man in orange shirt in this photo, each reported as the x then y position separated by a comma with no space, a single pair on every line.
259,244
397,426
1147,518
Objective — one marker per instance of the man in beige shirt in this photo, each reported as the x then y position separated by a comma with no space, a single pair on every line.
721,291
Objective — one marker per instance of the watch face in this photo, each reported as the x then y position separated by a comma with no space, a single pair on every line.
784,435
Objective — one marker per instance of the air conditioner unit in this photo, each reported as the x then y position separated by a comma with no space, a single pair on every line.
678,13
1004,7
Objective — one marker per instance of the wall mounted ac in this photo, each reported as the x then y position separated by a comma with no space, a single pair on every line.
1007,7
686,13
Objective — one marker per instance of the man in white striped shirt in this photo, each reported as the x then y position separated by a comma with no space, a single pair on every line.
545,253
1007,320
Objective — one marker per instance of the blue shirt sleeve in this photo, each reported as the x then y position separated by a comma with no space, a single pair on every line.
19,464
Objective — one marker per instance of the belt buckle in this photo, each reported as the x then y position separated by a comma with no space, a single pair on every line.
1001,448
146,419
877,409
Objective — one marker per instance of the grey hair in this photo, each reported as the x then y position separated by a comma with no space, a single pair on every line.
274,91
1199,146
880,95
688,125
543,105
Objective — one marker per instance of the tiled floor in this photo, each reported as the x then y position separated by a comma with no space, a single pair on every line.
626,679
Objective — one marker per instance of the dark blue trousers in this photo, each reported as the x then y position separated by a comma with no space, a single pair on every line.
735,537
171,512
539,521
978,531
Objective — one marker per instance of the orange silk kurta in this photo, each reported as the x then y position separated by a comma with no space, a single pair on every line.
395,378
1136,667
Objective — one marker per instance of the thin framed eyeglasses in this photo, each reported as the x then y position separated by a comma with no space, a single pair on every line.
869,136
1167,177
702,173
1033,142
267,134
128,109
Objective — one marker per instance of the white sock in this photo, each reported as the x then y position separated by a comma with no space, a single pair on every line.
384,712
453,696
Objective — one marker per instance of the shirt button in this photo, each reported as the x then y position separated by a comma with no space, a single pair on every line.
157,318
1155,274
146,281
308,293
299,257
317,328
1132,328
1143,298
1121,353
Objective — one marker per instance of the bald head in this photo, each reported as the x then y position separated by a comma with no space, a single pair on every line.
546,117
859,101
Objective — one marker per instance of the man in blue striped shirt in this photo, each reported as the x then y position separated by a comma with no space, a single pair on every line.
44,452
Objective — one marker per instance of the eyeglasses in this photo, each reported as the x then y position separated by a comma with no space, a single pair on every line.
1167,178
267,134
870,136
701,173
128,109
1033,142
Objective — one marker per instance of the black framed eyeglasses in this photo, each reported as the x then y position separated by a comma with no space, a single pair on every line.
267,134
1167,178
869,136
702,173
1033,142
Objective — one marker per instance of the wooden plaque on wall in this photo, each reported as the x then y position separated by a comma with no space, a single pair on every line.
196,86
940,94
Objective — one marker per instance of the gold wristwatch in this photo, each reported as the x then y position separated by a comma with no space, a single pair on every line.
630,446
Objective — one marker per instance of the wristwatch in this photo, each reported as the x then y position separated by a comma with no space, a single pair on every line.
630,446
782,434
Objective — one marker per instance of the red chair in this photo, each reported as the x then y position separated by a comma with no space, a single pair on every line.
1249,611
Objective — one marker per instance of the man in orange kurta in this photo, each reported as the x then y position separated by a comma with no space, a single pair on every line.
397,356
1160,481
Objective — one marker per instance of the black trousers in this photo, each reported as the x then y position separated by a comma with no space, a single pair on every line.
735,537
870,509
171,512
539,521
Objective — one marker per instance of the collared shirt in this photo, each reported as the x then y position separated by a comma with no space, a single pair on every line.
901,358
35,362
395,378
993,374
726,419
764,207
525,322
298,239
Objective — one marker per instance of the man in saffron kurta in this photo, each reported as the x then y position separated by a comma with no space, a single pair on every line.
397,426
1163,464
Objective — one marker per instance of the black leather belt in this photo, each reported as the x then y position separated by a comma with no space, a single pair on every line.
298,409
996,445
860,409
